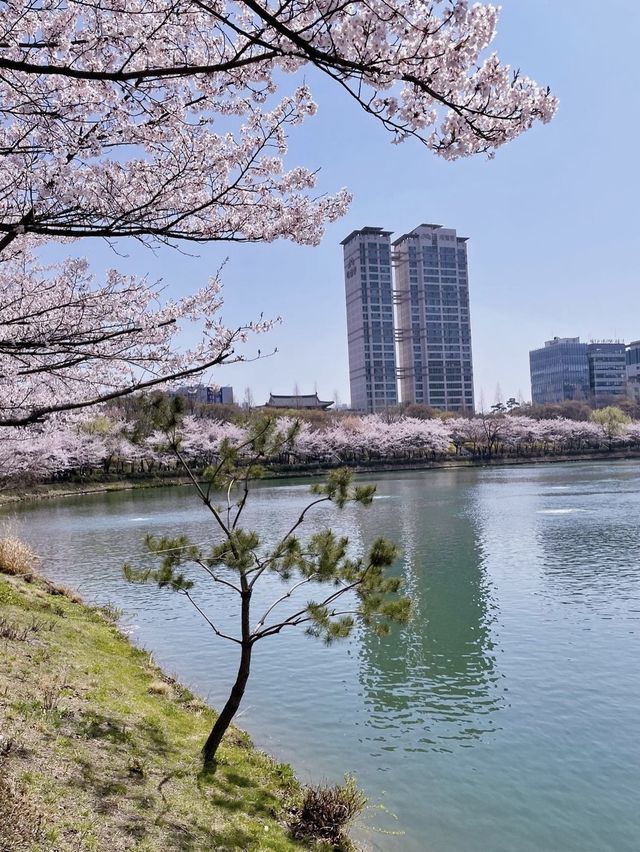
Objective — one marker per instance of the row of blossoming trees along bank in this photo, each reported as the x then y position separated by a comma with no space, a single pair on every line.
112,447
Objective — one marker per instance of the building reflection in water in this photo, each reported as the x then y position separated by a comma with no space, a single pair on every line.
434,683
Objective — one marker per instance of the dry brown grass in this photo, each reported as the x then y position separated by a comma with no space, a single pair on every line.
12,632
65,591
159,687
20,822
16,557
326,813
19,559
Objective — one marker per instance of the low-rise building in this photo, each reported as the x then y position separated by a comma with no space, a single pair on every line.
207,394
597,372
607,371
633,370
559,371
305,401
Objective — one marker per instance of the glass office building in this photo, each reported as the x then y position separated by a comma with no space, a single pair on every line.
559,371
633,370
607,371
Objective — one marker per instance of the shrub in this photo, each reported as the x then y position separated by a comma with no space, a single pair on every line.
64,591
52,693
327,811
16,557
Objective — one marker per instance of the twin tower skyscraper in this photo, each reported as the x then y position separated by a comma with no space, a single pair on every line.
408,323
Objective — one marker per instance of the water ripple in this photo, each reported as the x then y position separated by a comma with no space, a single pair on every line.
503,717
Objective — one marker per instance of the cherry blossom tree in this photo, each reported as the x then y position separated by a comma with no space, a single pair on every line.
160,119
65,447
631,433
167,121
67,344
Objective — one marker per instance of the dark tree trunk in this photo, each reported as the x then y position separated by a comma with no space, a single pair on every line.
229,710
233,702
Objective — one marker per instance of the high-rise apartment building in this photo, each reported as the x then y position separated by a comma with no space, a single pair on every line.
607,371
434,327
559,371
370,320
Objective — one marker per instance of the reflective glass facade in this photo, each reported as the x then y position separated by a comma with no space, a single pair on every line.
559,371
607,371
633,369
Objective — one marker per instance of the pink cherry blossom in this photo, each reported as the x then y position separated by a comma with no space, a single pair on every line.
67,342
74,444
169,120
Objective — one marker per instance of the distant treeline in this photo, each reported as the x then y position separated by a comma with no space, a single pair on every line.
125,441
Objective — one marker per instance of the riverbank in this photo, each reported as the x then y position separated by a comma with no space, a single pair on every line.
47,491
99,749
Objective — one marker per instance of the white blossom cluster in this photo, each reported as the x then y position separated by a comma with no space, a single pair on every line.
161,119
64,341
168,120
58,447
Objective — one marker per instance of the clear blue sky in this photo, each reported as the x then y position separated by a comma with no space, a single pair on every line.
553,221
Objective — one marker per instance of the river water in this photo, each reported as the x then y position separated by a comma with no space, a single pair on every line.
503,718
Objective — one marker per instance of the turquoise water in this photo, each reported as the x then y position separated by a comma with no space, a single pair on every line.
504,717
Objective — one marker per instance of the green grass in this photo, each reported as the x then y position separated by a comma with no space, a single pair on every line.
99,750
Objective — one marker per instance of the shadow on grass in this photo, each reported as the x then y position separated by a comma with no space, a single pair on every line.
239,780
147,736
236,792
95,726
119,771
179,838
110,770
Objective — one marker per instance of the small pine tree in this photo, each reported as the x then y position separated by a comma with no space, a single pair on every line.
347,590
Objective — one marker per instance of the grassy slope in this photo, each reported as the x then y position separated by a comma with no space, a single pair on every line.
101,751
